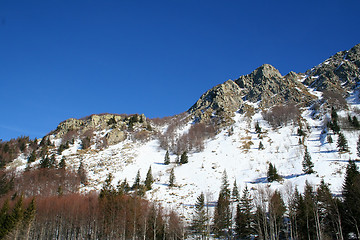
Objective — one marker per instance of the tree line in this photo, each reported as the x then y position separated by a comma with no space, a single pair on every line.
263,213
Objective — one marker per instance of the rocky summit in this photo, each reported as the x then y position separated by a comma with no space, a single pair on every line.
340,73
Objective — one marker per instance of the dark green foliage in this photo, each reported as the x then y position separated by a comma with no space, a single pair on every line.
172,178
62,147
167,158
137,181
123,187
235,192
6,183
149,180
307,164
300,132
272,174
342,143
351,196
62,163
244,218
199,222
277,210
82,173
257,128
45,162
329,139
222,214
333,124
358,147
184,158
261,146
107,189
32,157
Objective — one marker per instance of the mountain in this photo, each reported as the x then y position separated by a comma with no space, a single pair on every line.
218,133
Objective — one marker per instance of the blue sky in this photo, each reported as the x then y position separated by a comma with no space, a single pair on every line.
61,59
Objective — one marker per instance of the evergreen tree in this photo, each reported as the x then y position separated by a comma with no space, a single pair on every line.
305,217
136,184
351,196
235,192
45,162
222,214
329,139
257,128
355,122
307,164
358,147
4,215
184,158
107,189
276,215
29,216
342,143
200,217
167,158
149,180
82,173
244,216
123,187
261,146
172,178
272,174
32,157
62,163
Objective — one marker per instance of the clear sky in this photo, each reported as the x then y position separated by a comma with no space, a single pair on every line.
72,58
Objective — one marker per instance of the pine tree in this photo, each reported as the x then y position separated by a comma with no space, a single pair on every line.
184,158
149,180
257,128
351,196
329,139
82,173
235,192
32,157
29,216
261,146
200,217
358,147
167,158
136,184
342,143
307,164
222,214
45,162
272,174
107,189
276,214
62,163
4,215
172,178
244,216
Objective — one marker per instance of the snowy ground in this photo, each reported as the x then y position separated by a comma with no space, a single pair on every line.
238,154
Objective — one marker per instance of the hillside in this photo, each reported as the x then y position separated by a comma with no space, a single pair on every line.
226,139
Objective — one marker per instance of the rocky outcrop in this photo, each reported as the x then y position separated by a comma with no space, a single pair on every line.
340,73
116,125
268,87
223,99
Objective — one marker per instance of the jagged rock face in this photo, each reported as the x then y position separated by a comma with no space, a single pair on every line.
117,124
222,99
268,87
339,73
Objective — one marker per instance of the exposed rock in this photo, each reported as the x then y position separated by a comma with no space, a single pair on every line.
268,87
115,136
223,99
340,73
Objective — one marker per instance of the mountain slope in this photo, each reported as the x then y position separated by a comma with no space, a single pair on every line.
124,144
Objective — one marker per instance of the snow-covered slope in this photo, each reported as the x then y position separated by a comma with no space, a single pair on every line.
235,153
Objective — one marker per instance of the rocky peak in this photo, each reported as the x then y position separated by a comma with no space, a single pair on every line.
266,71
223,99
340,73
268,87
